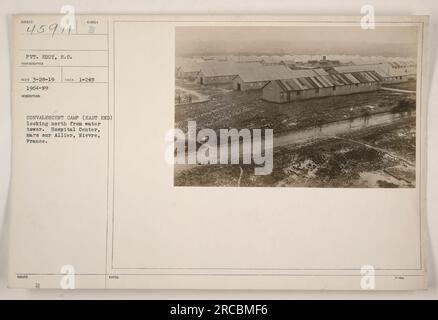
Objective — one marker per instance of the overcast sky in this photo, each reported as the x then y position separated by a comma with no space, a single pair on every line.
385,41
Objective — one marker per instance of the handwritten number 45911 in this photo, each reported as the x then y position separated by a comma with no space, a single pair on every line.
49,28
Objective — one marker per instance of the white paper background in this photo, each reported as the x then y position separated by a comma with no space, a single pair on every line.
291,7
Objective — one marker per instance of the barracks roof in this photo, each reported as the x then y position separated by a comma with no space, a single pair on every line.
326,81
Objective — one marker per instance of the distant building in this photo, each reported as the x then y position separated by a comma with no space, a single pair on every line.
324,62
208,58
407,70
244,59
222,72
304,85
289,63
249,59
187,68
188,72
271,60
390,72
256,78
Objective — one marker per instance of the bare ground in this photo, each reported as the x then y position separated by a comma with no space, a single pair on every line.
374,157
233,109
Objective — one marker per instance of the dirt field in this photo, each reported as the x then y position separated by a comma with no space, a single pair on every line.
381,156
409,85
233,109
373,157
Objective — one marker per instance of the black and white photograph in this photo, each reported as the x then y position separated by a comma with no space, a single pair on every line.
338,101
211,153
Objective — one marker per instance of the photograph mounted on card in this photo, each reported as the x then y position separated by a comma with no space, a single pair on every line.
218,152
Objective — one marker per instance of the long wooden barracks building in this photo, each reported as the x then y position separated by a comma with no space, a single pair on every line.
321,84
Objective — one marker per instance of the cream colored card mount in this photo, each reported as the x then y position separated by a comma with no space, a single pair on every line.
218,152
